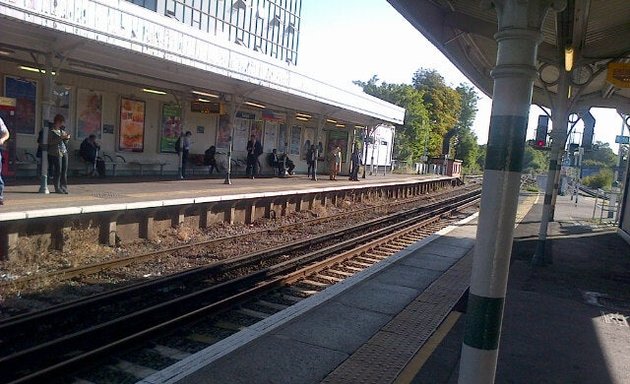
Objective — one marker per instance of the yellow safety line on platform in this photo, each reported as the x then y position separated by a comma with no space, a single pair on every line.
417,362
414,366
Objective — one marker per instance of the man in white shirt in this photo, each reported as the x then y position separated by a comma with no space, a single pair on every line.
4,136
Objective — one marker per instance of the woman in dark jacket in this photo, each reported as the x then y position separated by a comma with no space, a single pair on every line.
58,154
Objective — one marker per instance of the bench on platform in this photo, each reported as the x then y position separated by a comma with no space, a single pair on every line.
87,168
25,160
142,165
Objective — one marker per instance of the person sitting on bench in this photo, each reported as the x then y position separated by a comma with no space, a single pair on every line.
89,152
277,162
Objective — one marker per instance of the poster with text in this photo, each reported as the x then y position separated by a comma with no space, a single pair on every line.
61,97
257,130
132,116
25,93
309,139
171,127
283,139
271,137
296,140
241,130
89,113
338,138
224,132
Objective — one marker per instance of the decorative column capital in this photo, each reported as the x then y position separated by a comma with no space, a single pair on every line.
526,14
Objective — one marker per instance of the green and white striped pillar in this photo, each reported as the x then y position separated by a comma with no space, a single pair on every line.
518,38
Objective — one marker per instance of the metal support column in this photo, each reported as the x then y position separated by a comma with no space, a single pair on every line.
560,119
47,104
518,38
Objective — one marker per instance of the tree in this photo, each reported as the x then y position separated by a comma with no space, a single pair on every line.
602,156
433,109
410,136
466,147
534,160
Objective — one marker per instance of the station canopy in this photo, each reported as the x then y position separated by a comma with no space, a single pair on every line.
122,42
596,34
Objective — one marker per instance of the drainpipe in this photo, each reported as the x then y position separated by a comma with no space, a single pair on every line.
518,38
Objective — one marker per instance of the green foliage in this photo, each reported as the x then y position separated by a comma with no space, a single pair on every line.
603,179
432,109
603,155
535,161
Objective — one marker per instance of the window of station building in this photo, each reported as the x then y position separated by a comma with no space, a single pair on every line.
148,4
271,28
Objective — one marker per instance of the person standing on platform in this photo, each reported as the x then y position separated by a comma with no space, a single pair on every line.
58,154
210,160
333,156
310,160
4,136
186,144
254,150
356,163
89,152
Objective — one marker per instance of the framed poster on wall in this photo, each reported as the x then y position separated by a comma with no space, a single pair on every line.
131,134
283,139
296,140
89,113
241,130
309,139
338,138
171,127
224,132
25,93
271,137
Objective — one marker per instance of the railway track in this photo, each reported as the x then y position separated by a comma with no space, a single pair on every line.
96,268
68,336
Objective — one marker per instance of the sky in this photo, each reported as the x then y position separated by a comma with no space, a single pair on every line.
343,41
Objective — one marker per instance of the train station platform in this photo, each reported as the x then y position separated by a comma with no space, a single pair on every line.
22,196
398,321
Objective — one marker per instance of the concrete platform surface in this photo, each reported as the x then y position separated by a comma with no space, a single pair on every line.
566,322
328,328
94,193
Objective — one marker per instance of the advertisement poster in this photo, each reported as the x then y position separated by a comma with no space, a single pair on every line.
296,140
131,137
89,113
171,127
338,139
283,139
309,139
224,132
241,130
257,129
25,92
271,137
61,96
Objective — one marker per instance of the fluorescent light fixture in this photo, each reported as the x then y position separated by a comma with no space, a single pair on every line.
300,114
6,51
33,69
360,126
255,105
154,91
94,70
301,118
568,58
206,94
331,121
340,125
204,100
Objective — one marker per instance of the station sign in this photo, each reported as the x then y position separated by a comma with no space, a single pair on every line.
622,139
619,74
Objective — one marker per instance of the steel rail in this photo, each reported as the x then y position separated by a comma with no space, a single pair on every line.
133,327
